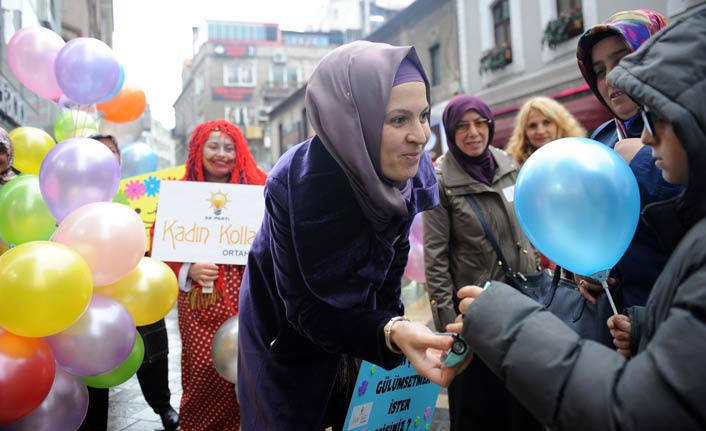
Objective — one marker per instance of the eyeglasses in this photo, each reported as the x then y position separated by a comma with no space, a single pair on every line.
480,124
648,120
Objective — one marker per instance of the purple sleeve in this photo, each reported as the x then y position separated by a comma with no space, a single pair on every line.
356,329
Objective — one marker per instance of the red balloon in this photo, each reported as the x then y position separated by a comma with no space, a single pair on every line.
27,373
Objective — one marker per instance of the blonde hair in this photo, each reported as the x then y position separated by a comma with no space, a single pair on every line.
567,126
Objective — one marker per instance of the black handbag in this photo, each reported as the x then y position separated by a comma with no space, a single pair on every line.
559,295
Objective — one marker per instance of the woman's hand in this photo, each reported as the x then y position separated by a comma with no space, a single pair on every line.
627,148
590,289
620,328
423,348
203,273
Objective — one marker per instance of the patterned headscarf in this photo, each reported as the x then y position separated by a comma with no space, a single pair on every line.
245,170
634,27
5,142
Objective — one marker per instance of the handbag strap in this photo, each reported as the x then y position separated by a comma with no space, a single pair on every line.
489,234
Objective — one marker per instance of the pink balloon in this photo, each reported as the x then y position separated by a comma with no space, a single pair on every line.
63,409
416,233
98,342
415,265
76,172
109,236
31,53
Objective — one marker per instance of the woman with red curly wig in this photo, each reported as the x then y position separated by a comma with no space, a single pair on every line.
208,296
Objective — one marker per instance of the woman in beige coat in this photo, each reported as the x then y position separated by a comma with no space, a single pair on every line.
458,252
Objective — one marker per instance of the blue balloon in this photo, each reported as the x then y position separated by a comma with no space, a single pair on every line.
118,86
137,159
578,203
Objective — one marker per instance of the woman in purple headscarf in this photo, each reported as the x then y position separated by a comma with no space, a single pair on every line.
6,157
323,279
457,251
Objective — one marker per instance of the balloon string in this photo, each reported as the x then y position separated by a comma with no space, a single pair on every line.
604,283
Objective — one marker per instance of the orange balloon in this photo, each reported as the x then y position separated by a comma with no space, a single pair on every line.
126,106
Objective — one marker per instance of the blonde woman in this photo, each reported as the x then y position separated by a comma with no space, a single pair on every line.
539,121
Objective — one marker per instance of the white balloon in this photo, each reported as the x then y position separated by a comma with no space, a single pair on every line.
224,350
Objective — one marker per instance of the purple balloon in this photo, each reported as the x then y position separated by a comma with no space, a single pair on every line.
76,172
86,70
99,341
63,409
31,53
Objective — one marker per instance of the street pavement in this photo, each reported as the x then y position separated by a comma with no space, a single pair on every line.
129,411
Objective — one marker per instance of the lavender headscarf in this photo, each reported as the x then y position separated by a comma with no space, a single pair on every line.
6,142
481,168
346,100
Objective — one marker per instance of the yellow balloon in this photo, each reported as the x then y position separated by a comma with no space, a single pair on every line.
31,145
44,288
148,292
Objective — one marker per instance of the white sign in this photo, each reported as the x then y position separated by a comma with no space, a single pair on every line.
207,222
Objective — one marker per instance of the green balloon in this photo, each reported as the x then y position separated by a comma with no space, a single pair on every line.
24,216
74,123
123,372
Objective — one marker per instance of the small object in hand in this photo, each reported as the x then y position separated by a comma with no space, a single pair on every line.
457,352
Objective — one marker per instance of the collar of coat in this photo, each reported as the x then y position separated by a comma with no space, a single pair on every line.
454,177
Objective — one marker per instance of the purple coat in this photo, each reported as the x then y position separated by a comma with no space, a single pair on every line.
320,282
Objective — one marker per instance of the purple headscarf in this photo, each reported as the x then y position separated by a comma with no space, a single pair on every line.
346,99
6,143
481,168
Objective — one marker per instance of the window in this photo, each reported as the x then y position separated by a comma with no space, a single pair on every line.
238,75
282,76
501,22
11,22
565,6
241,115
435,54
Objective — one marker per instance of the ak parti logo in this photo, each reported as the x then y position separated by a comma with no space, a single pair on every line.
218,202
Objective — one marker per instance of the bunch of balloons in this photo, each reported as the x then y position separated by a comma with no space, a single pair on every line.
74,285
82,76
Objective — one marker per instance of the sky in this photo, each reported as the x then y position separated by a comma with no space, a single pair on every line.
152,38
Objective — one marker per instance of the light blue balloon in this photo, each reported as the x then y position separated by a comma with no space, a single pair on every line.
118,86
137,159
578,203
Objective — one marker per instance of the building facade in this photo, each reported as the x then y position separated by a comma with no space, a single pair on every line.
239,72
429,25
511,50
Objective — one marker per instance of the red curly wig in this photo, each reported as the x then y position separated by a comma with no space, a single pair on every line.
245,170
